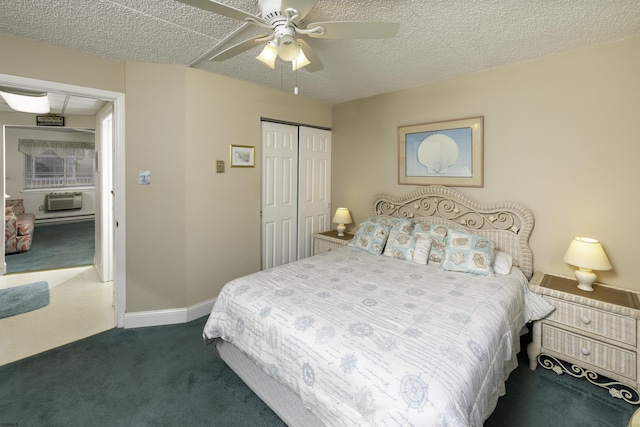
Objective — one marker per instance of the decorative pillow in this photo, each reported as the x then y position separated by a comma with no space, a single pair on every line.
407,247
402,225
423,247
503,263
468,253
371,237
438,236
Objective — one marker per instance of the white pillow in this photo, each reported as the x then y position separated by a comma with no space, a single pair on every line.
502,263
423,248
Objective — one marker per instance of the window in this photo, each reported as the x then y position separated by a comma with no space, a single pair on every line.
57,164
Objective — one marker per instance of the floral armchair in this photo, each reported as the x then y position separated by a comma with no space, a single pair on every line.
18,227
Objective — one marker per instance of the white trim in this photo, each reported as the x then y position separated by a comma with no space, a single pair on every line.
172,316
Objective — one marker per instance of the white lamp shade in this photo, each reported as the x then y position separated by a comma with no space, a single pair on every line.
26,101
268,55
288,49
342,216
300,61
587,253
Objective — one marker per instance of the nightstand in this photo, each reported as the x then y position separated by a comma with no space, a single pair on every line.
328,240
589,334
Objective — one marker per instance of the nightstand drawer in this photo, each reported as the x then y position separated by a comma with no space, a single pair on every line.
320,246
329,240
608,325
595,353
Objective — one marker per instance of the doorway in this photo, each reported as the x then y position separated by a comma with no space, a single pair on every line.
112,212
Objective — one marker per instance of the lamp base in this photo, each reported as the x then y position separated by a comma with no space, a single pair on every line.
341,228
585,279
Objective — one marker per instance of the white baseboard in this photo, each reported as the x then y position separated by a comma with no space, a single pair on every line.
142,319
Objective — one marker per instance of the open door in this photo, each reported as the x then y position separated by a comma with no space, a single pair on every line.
103,260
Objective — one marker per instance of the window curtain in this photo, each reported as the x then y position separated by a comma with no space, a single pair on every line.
35,147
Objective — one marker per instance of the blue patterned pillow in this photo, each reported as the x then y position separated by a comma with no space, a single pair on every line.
370,237
438,235
407,247
401,225
468,253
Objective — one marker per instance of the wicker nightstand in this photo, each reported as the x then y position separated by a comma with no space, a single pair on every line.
588,334
328,240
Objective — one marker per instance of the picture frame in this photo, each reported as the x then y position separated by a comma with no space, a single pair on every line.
50,120
449,153
242,156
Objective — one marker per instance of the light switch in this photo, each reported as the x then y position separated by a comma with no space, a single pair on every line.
220,166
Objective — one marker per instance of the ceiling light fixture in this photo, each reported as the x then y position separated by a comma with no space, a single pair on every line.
300,61
268,55
26,101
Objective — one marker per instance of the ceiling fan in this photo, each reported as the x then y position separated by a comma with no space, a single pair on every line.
285,20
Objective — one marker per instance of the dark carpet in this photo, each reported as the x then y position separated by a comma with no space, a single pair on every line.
23,299
56,246
167,376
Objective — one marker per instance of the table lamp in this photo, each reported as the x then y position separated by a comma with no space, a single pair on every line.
342,217
587,254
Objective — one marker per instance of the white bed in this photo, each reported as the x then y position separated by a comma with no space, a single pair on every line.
351,338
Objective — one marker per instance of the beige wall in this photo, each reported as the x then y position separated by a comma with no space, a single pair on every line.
191,230
560,136
223,215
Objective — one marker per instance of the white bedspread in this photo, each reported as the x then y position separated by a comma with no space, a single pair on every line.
372,340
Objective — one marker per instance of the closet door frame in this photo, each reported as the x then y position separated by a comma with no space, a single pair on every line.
296,190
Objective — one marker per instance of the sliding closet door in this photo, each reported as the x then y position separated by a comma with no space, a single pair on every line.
279,194
314,192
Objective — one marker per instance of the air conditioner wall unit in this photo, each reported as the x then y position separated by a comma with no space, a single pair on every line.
62,201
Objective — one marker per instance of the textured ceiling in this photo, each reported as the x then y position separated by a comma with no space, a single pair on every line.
438,39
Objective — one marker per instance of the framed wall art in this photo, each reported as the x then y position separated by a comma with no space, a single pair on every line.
241,156
444,153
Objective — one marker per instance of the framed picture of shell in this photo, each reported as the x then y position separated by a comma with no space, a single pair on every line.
443,153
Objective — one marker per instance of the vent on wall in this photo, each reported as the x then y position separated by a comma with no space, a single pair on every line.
62,201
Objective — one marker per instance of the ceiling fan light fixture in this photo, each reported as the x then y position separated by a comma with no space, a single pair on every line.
268,55
300,61
288,49
26,101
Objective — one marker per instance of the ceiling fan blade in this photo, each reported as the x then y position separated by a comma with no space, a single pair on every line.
354,30
315,63
223,9
302,6
237,48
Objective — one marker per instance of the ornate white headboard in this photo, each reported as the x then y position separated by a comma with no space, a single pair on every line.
507,224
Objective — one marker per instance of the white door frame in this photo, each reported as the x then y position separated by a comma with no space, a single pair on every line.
119,246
